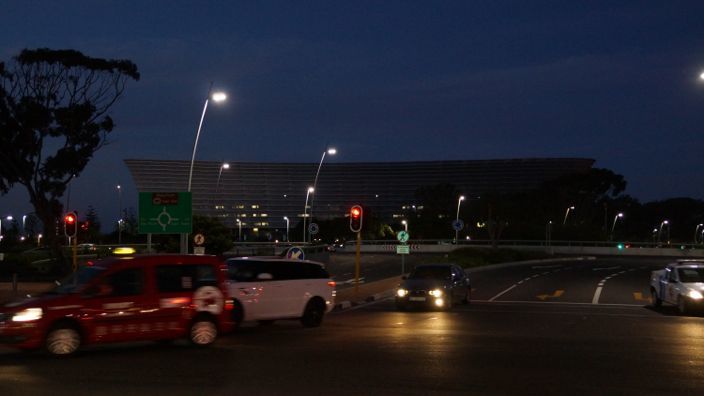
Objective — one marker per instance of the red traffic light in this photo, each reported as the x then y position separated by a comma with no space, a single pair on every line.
356,217
70,224
70,219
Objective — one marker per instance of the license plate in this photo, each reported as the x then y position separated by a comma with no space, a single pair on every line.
416,298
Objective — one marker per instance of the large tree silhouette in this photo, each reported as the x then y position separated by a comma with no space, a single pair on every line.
53,117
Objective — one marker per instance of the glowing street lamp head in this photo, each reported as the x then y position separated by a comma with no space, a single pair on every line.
218,96
619,215
462,198
701,76
404,222
286,218
332,151
311,190
225,165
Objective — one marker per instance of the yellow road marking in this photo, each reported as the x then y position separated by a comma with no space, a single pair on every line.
557,294
639,297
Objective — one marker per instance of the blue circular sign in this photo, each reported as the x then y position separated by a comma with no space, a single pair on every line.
295,253
458,225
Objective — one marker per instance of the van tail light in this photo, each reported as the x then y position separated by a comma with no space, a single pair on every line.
331,284
229,305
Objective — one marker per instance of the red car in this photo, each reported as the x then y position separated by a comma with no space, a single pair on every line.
158,297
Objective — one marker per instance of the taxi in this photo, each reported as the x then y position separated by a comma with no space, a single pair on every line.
118,299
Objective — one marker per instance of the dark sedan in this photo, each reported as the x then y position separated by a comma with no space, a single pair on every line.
434,286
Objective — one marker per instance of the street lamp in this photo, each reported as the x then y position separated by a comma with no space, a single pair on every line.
239,230
457,218
696,231
405,225
224,165
305,212
566,214
618,216
119,215
217,97
287,223
331,151
665,222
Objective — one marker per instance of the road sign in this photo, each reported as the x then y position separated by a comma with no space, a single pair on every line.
198,239
457,225
165,213
313,228
403,249
295,253
199,250
402,236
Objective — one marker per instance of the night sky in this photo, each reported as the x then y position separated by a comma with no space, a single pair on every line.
616,81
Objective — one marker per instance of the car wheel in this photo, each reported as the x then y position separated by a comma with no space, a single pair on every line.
682,305
657,302
467,295
203,332
63,341
313,314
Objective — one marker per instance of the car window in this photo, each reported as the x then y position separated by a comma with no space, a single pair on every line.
128,282
244,270
691,275
430,272
179,278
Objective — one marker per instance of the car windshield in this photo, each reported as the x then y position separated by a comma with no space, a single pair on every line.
691,275
76,280
430,272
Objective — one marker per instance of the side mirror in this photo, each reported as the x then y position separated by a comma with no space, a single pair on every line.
264,276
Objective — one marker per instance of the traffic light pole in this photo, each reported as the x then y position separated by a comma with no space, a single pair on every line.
74,247
356,264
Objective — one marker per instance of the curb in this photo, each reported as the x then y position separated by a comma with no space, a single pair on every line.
348,304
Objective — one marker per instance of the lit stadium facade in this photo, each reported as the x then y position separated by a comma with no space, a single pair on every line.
260,195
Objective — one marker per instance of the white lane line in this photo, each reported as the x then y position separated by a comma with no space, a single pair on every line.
556,303
600,286
606,268
504,292
597,294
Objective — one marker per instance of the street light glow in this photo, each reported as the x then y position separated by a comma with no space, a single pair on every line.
219,96
461,197
311,189
332,151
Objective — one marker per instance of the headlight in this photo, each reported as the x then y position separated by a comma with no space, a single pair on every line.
401,292
436,293
695,295
27,315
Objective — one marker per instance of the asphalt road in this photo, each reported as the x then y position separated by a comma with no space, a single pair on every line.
516,343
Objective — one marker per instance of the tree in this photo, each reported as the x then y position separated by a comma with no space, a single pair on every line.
53,118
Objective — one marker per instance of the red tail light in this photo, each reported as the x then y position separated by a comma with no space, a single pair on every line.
331,284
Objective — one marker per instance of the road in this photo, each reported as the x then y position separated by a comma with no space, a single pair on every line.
528,340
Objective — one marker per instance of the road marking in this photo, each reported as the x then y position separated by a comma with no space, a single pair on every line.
597,294
639,297
556,294
606,268
556,303
350,281
546,266
504,292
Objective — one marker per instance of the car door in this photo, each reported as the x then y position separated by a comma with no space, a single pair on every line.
673,286
116,306
246,285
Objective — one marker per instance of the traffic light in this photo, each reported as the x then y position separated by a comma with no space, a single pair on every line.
70,224
356,217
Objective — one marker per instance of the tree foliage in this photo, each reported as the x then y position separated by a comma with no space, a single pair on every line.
53,117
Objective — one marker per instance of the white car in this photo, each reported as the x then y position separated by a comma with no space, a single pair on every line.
267,289
680,283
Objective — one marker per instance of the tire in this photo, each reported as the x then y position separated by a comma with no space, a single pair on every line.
313,314
203,332
63,340
467,296
682,305
657,302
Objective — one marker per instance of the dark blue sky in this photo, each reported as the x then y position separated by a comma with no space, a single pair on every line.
616,81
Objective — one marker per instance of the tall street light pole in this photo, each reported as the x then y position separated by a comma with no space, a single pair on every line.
331,151
119,214
618,216
224,165
217,97
305,212
287,223
457,218
665,222
566,214
405,225
239,230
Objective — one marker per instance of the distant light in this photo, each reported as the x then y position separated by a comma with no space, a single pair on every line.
226,165
620,215
219,96
462,198
8,218
332,151
701,76
311,189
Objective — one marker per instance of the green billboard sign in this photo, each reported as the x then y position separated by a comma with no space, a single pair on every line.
165,213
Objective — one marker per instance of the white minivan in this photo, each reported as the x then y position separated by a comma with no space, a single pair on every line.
267,289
